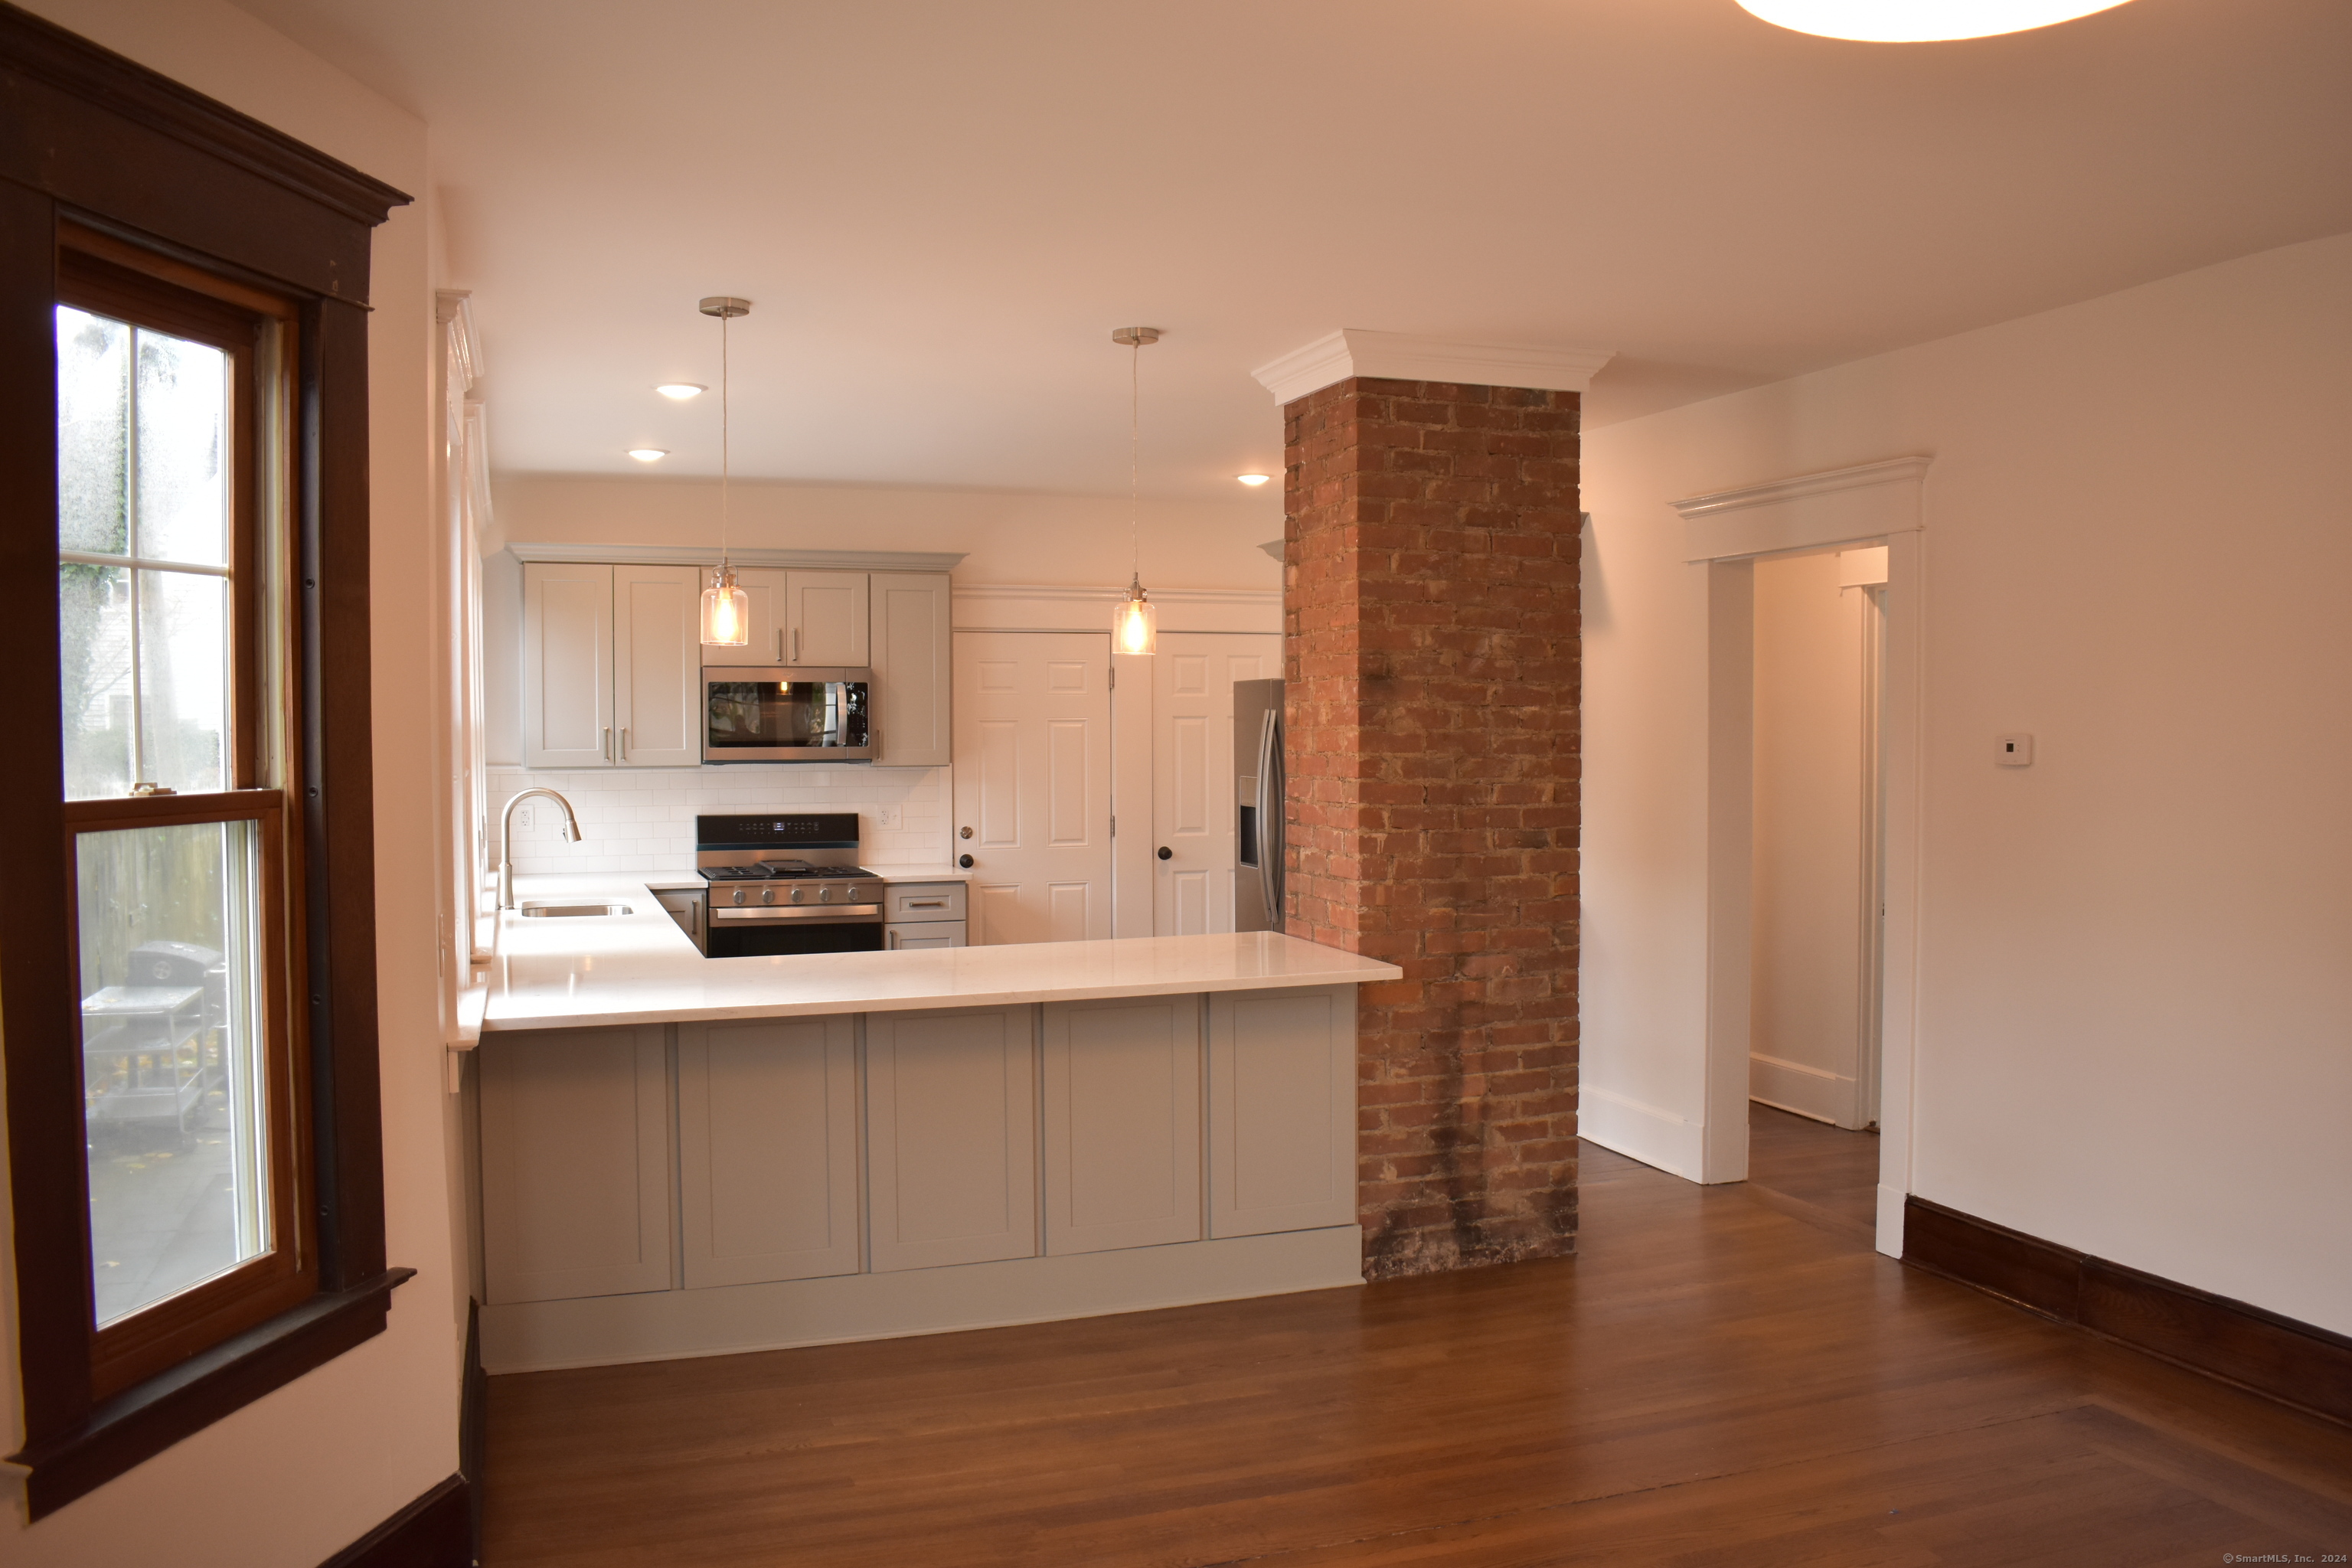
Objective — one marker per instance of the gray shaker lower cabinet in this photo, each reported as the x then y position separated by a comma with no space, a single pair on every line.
1282,1110
767,1140
576,1164
952,1135
1122,1129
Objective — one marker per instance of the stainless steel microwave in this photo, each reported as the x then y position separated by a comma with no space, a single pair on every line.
786,713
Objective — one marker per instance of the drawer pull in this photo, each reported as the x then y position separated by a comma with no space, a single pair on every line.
926,903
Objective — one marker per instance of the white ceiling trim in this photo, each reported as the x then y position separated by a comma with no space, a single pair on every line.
707,555
1410,356
1809,512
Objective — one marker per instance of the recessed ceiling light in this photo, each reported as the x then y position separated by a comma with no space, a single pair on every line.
1253,480
680,390
648,454
1919,21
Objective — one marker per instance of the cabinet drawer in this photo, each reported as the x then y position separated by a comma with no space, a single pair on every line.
902,936
923,902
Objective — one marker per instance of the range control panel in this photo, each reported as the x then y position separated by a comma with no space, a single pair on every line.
802,830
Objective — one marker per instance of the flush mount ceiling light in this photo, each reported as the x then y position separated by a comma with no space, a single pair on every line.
1919,21
725,608
648,454
1134,628
1253,480
679,391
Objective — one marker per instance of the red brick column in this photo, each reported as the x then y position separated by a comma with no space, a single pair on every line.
1430,649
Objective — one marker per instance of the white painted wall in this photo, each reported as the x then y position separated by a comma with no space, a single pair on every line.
298,1475
1806,1011
2134,999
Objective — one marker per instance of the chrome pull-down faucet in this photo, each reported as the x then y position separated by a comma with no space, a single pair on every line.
506,839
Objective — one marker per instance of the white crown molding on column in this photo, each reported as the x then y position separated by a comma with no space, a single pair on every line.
1840,506
1409,356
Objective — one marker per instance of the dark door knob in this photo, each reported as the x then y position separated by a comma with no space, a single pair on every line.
964,861
1166,853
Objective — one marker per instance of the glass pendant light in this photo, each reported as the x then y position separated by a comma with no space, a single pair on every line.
725,608
1135,627
1919,21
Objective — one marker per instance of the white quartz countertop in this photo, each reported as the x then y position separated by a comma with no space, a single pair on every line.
640,968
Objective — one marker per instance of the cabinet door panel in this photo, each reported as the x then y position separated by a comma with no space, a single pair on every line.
768,1148
825,619
952,1135
575,1163
911,639
658,666
567,666
763,589
903,936
1122,1123
1282,1110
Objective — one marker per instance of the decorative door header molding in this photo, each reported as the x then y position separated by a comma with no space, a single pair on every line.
1410,356
1838,506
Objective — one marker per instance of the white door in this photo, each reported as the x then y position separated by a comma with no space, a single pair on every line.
824,619
567,666
658,666
1193,680
763,589
1033,782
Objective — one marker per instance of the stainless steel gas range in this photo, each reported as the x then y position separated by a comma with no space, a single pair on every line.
786,883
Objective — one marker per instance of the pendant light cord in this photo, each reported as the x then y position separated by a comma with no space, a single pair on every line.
723,454
1134,439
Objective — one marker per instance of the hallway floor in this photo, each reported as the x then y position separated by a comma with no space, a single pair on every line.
1724,1375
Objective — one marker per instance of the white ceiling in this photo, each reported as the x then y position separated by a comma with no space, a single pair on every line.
941,207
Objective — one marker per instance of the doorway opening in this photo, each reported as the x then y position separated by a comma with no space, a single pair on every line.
1818,887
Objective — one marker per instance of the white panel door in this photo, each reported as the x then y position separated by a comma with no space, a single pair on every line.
767,1118
1193,816
1282,1110
567,666
1122,1123
763,589
952,1136
658,666
1033,782
575,1163
824,619
911,642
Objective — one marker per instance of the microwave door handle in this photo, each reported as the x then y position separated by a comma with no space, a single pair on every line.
1268,758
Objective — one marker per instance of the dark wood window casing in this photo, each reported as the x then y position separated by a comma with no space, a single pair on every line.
127,194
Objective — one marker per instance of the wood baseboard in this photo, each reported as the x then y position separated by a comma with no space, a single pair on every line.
437,1530
2294,1363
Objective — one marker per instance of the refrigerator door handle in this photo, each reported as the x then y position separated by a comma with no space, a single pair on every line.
1269,830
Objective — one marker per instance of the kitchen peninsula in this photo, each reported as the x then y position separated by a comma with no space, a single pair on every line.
686,1156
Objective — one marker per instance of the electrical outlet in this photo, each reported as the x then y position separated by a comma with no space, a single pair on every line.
523,818
889,816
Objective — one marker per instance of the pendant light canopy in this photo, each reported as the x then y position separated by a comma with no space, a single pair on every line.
1919,21
725,608
1135,627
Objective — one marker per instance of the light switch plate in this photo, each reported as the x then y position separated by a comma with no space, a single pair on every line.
2012,750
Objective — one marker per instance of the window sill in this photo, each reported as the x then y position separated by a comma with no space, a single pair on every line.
142,1421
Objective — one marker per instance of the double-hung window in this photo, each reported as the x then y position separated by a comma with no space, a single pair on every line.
187,910
173,700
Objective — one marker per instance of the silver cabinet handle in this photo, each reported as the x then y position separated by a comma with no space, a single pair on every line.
926,903
797,645
780,644
605,750
624,745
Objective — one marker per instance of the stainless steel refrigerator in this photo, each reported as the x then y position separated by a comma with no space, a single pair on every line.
1258,800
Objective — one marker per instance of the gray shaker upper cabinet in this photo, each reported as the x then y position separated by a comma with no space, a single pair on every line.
825,619
611,668
910,647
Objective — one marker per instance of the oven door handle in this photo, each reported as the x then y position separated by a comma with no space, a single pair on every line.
839,914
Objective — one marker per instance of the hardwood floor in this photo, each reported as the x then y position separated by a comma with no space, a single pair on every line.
1724,1375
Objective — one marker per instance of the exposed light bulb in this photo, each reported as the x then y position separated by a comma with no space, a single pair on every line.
648,454
1253,480
1135,628
726,611
679,391
1919,21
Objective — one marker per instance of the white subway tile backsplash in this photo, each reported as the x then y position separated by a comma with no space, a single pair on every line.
642,819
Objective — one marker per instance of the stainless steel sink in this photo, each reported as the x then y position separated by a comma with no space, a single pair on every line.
561,912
